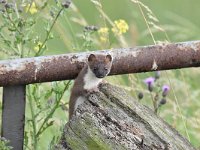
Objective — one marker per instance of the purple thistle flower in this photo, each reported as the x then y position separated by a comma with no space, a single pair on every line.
150,81
165,90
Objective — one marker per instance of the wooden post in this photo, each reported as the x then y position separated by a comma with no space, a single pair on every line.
13,115
112,120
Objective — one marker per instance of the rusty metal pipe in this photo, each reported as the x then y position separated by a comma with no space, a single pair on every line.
126,60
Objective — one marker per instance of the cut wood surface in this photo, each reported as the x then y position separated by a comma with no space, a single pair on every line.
112,120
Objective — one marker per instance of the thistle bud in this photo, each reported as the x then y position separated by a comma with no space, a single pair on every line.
3,1
157,75
2,10
91,28
162,101
140,95
20,9
52,13
8,5
66,3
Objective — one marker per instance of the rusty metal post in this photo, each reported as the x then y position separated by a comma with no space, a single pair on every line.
130,60
13,115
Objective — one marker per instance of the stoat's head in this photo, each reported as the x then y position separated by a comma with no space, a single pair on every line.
100,64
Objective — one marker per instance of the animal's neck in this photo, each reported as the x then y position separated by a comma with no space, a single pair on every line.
90,80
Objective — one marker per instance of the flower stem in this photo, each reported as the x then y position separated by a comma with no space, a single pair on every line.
154,103
52,110
33,120
48,33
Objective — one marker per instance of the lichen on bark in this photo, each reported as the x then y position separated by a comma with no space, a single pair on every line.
111,119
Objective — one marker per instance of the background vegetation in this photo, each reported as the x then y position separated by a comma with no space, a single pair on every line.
33,27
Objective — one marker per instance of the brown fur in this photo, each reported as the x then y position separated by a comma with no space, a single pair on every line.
100,66
77,90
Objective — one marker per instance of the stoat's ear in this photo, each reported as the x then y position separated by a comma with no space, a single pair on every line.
109,57
91,57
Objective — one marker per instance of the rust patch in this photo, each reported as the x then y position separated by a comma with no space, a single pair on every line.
126,60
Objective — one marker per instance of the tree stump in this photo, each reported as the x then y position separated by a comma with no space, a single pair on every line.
112,120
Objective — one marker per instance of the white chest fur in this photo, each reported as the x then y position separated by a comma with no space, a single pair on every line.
90,80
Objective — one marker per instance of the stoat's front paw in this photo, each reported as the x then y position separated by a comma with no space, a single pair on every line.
93,90
102,83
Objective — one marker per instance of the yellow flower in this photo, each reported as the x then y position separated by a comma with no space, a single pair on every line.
103,39
37,47
103,33
103,30
120,27
31,8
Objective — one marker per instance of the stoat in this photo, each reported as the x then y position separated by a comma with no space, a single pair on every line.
96,68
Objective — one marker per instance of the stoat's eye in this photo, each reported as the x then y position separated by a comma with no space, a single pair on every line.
106,68
95,69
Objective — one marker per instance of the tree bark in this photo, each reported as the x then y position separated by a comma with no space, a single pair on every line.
111,119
